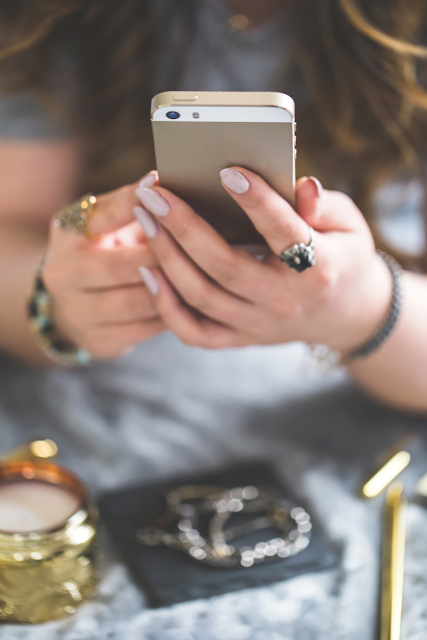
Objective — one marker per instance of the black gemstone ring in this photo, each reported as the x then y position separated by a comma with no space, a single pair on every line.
301,256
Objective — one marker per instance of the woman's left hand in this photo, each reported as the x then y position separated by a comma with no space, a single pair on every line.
215,296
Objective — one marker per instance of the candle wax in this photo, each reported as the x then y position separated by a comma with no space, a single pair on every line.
27,506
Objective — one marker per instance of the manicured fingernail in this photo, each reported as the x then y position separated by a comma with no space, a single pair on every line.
319,186
153,201
149,226
234,180
150,280
149,180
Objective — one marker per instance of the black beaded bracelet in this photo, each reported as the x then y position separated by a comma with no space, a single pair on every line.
391,319
41,325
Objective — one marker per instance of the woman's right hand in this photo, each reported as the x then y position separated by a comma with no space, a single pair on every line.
99,300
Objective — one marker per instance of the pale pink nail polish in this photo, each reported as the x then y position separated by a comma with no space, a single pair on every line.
153,201
149,180
234,180
319,186
149,226
150,280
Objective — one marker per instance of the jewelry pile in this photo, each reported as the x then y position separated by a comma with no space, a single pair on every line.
188,505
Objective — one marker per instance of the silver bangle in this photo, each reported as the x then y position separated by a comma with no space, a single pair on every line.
329,359
390,320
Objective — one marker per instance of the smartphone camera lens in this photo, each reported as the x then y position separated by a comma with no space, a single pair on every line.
173,115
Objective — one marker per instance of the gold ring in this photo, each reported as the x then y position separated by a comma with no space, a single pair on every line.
75,217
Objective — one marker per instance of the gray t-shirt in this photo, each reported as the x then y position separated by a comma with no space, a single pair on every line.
219,58
223,58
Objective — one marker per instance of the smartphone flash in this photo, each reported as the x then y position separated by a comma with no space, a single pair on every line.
196,115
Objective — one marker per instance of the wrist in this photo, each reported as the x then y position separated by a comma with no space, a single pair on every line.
371,306
42,325
389,323
376,321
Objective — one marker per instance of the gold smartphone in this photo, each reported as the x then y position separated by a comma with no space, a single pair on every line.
196,134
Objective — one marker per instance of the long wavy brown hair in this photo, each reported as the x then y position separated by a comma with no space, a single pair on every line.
363,60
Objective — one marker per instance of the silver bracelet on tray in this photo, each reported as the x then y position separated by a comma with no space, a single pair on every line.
271,511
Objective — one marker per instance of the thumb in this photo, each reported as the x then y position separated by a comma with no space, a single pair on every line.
308,193
327,210
114,210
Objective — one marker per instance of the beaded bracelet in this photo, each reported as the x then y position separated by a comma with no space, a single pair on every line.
390,320
329,359
40,323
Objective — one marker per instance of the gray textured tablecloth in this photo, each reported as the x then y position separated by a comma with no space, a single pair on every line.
166,409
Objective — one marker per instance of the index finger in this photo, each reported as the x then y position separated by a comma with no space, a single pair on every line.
273,217
234,269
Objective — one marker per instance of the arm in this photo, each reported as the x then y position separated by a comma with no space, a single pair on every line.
397,372
37,178
100,302
339,302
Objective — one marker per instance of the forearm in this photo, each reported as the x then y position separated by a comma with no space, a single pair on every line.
38,178
20,254
397,372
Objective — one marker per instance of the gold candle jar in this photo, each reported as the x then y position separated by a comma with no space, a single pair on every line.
47,568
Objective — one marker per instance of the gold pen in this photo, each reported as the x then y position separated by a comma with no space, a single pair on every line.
393,462
393,560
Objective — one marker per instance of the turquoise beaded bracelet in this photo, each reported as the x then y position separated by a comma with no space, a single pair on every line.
39,312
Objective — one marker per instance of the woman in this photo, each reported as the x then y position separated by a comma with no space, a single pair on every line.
340,304
78,77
